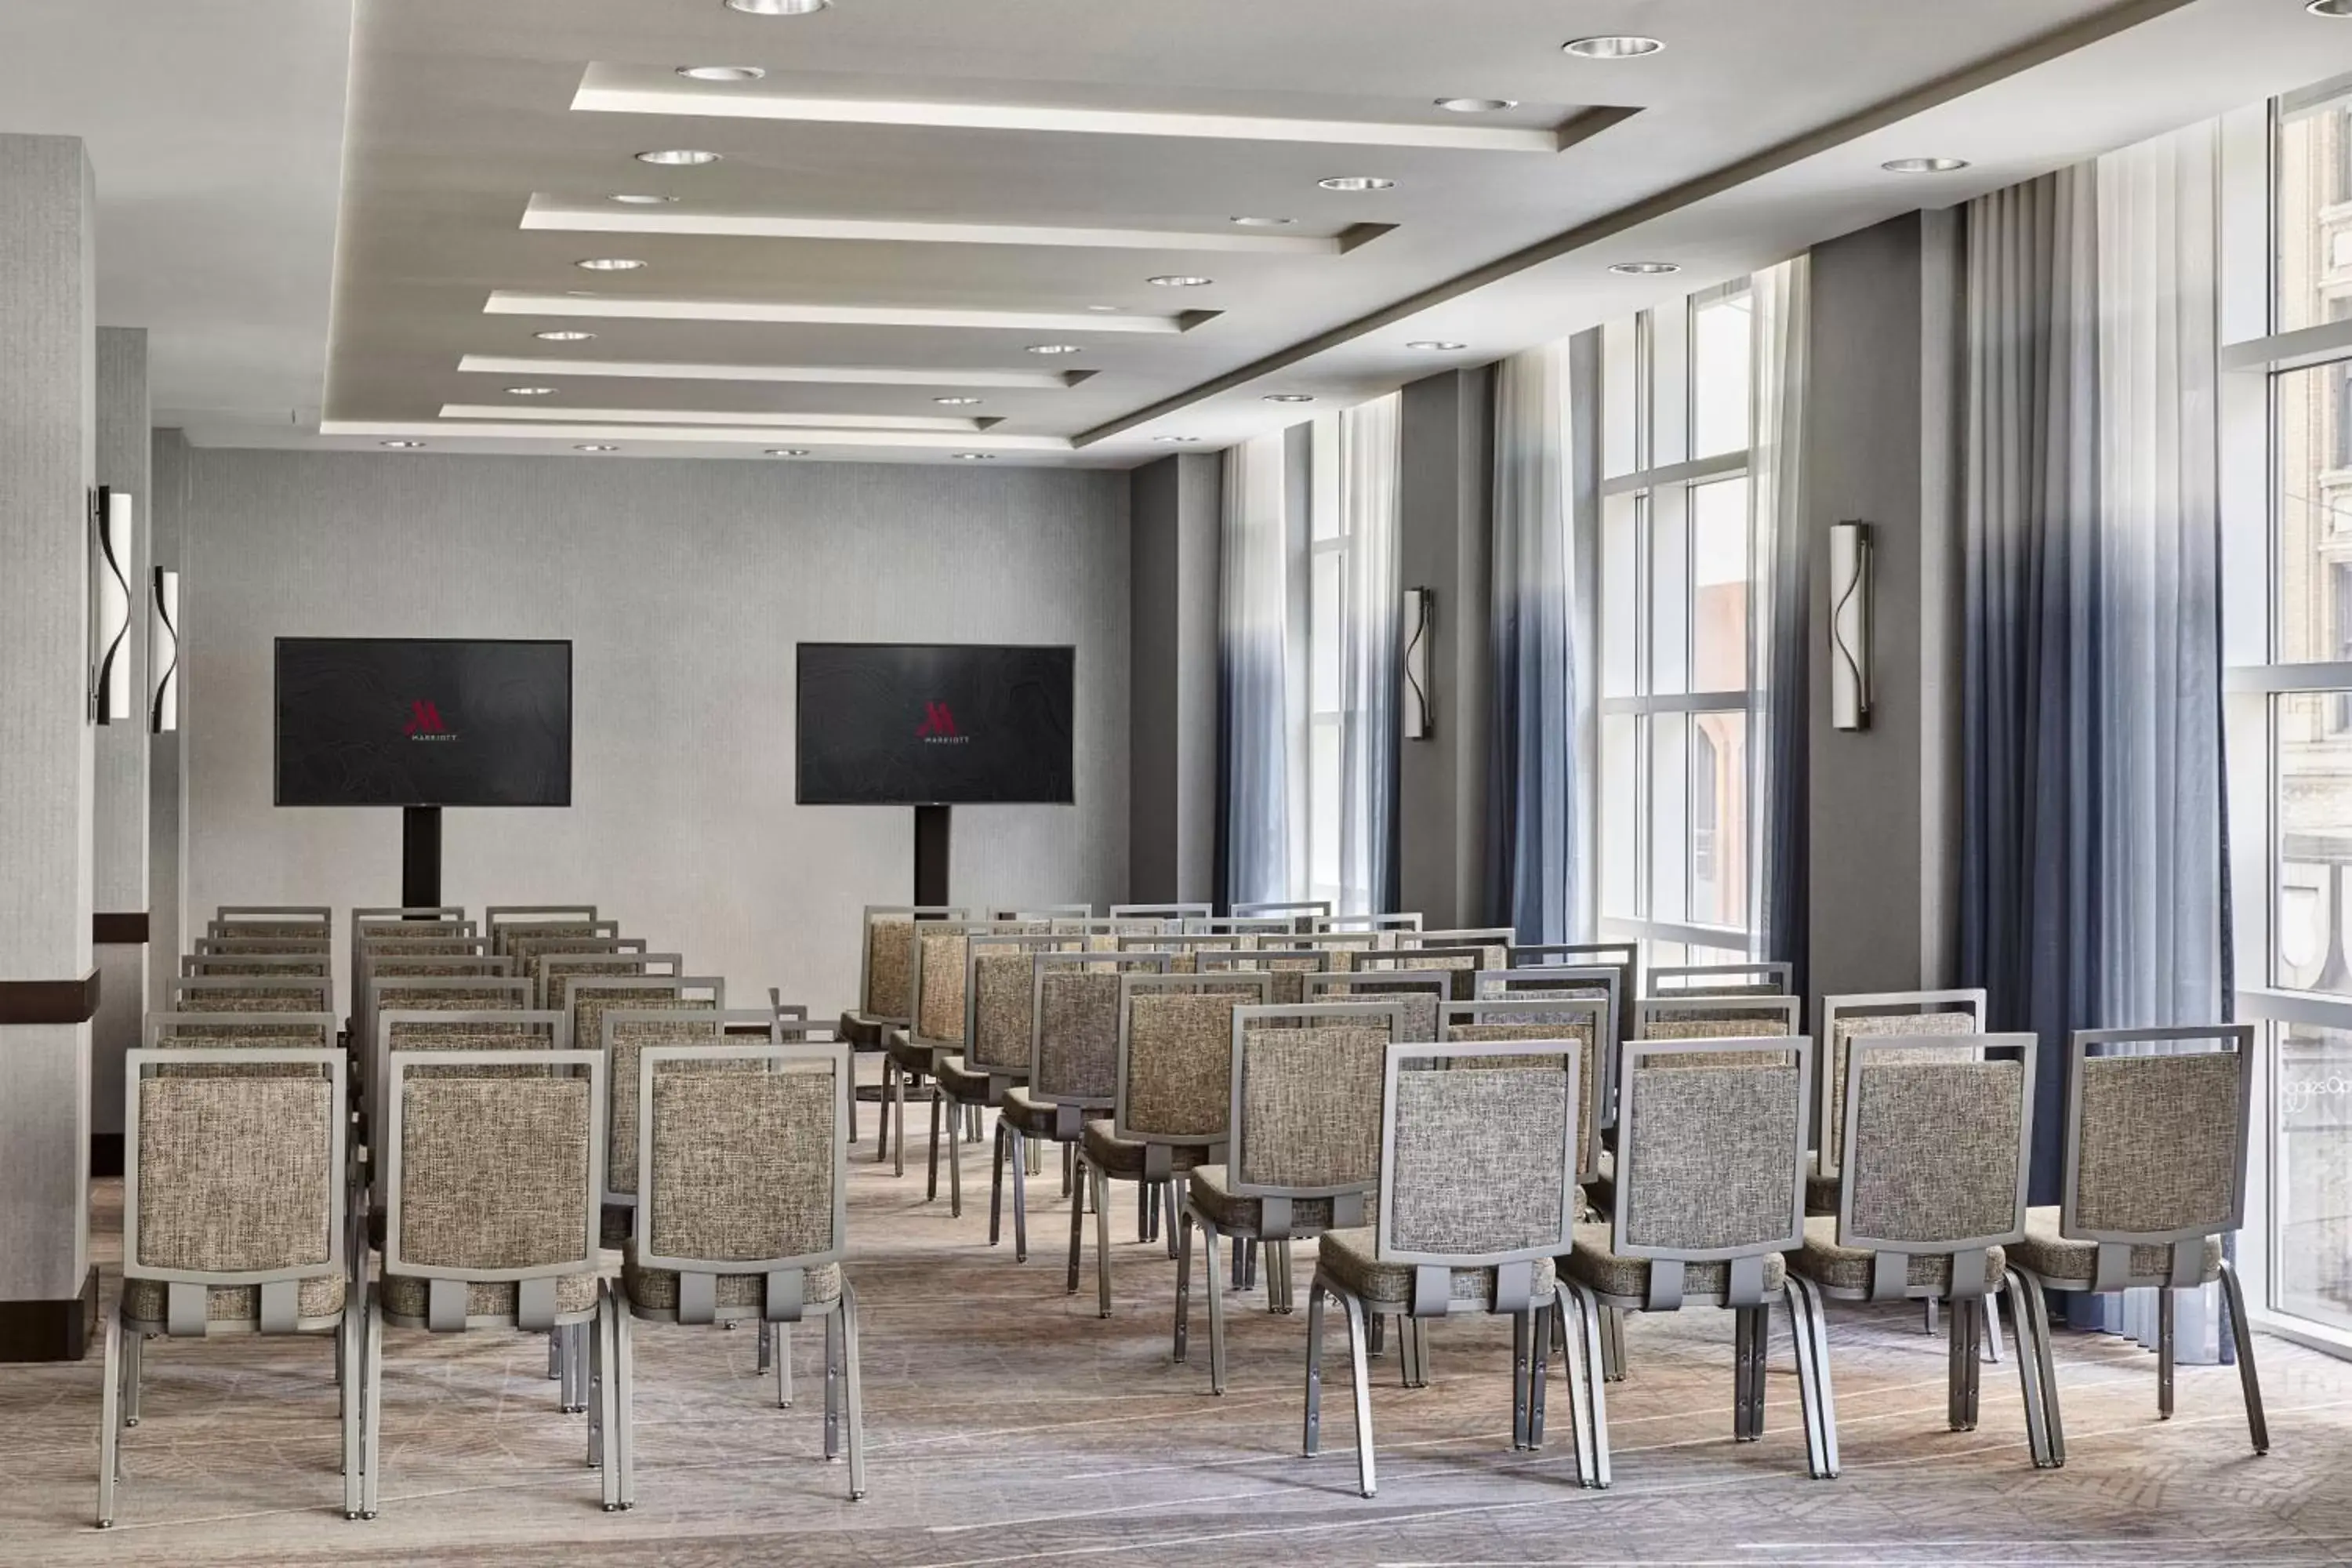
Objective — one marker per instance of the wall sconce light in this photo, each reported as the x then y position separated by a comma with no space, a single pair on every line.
1417,723
163,652
1850,596
110,687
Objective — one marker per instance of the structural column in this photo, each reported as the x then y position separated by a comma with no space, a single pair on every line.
167,769
120,926
48,988
1176,512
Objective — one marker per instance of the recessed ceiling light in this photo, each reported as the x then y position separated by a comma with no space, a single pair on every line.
1436,345
596,447
975,457
1358,183
1645,268
1053,347
1176,440
402,446
1477,105
956,402
2337,8
1180,280
1289,397
609,264
1262,222
531,391
1923,166
722,73
778,7
1102,310
1612,46
563,337
638,199
788,451
678,157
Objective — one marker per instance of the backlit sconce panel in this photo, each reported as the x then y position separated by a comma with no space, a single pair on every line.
1417,723
163,652
1850,596
109,565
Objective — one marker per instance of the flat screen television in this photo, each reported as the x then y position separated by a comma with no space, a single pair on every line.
935,724
423,722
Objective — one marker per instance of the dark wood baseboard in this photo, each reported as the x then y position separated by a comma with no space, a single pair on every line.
50,1330
49,1001
106,1154
120,929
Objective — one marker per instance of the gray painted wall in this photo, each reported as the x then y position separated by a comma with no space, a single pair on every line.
684,587
1175,522
119,805
167,770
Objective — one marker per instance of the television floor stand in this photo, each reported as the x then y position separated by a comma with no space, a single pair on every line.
931,827
420,856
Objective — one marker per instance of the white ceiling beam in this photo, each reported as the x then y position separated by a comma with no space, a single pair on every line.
813,375
549,212
729,435
622,307
762,418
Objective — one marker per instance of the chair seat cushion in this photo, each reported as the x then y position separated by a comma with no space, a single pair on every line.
148,1301
1346,1258
1124,1156
656,1289
911,1057
1233,1215
1592,1264
864,1031
962,1082
2073,1265
1846,1270
410,1296
1821,1193
1029,1118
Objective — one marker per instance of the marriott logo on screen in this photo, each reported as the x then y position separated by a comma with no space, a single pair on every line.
939,727
425,722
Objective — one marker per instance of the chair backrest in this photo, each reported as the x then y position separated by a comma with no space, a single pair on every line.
999,988
886,963
1290,966
501,922
1073,1011
1298,913
233,1180
547,969
1345,946
1711,1158
624,1032
1305,1120
204,1030
1251,929
1477,1166
1176,912
1460,966
1758,979
745,1155
1687,1017
1375,924
1054,915
1417,991
585,999
1838,1019
1183,948
227,946
2156,1142
430,995
1625,957
493,1178
1175,1060
248,994
319,964
456,1033
942,968
284,919
1584,1019
433,917
1493,944
1941,1135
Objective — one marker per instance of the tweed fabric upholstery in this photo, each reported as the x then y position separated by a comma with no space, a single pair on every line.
313,930
656,1289
556,968
1821,1193
417,1036
1311,1105
235,1175
1180,1054
1348,1259
2158,1143
1001,996
1211,1188
262,997
1938,1147
1861,1026
318,967
1478,1160
386,949
1119,1156
1419,1002
1588,1103
2068,1263
407,968
1027,1115
150,1300
1713,1024
1593,1263
522,937
938,1014
284,946
1713,1159
890,967
743,1164
410,1296
1078,1035
1849,1270
621,1071
494,1171
451,998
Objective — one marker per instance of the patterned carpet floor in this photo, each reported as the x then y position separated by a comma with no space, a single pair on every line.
1007,1424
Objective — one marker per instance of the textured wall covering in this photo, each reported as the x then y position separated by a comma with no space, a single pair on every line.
167,770
119,803
1174,522
684,587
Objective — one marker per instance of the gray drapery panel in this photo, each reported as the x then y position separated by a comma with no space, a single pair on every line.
1538,794
1779,738
1371,657
1260,849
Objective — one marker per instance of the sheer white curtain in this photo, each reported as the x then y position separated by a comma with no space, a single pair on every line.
1264,845
1370,656
1537,815
1779,736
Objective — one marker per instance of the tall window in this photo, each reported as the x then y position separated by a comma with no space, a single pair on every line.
1328,621
1675,396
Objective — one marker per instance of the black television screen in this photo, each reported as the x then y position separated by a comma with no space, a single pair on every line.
423,722
935,724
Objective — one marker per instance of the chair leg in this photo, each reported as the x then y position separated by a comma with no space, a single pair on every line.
1357,1331
2028,1373
931,1187
1102,1244
1991,1306
1570,1316
1613,1343
882,1108
955,1170
347,1349
1279,1297
784,1392
1147,1212
1743,1375
1037,1154
1169,1205
996,1185
1522,1332
1955,1375
1537,1367
1594,1381
1070,1169
1021,1195
1077,1192
1209,1245
1814,1388
848,1314
109,1421
1183,1229
2164,1320
134,1369
2241,1335
764,1355
371,1413
608,1393
833,1384
555,1362
899,1114
1311,1440
2032,1297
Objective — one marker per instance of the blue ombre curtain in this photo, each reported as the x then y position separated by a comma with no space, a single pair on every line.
1536,837
1371,657
1780,738
1263,855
